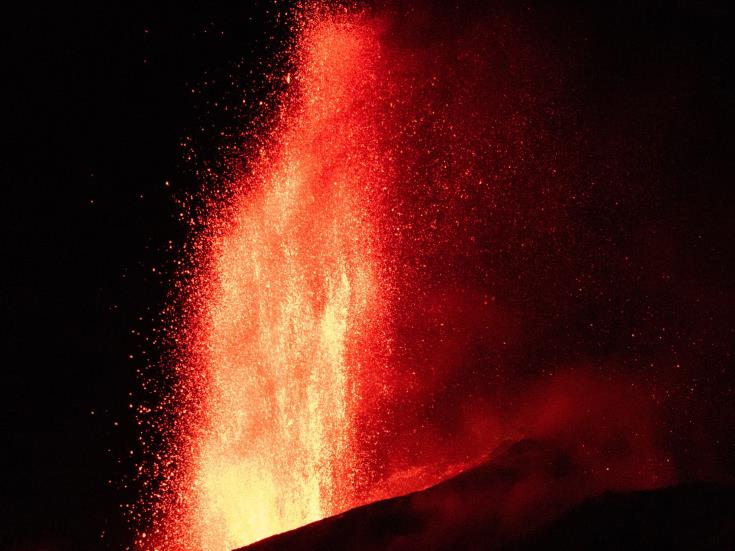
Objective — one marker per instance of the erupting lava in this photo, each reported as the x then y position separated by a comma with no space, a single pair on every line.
414,244
286,314
295,281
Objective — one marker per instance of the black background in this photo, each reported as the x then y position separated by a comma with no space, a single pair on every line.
102,107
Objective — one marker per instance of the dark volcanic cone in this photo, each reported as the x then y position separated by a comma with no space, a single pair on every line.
524,497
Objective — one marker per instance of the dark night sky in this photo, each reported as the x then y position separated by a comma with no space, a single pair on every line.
97,105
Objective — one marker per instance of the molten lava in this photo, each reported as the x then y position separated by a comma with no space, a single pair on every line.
287,313
410,248
295,280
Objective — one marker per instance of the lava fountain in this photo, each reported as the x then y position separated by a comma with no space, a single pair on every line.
339,292
295,280
431,223
287,310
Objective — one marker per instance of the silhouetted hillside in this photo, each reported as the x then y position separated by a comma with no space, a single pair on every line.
523,498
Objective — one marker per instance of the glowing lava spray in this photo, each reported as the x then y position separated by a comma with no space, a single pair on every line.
410,245
295,279
283,310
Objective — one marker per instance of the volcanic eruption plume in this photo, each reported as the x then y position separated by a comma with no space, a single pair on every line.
293,295
420,235
287,313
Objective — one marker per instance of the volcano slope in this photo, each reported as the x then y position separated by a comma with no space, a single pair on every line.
528,495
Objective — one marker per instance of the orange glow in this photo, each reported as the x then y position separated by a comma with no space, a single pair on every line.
401,253
283,314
